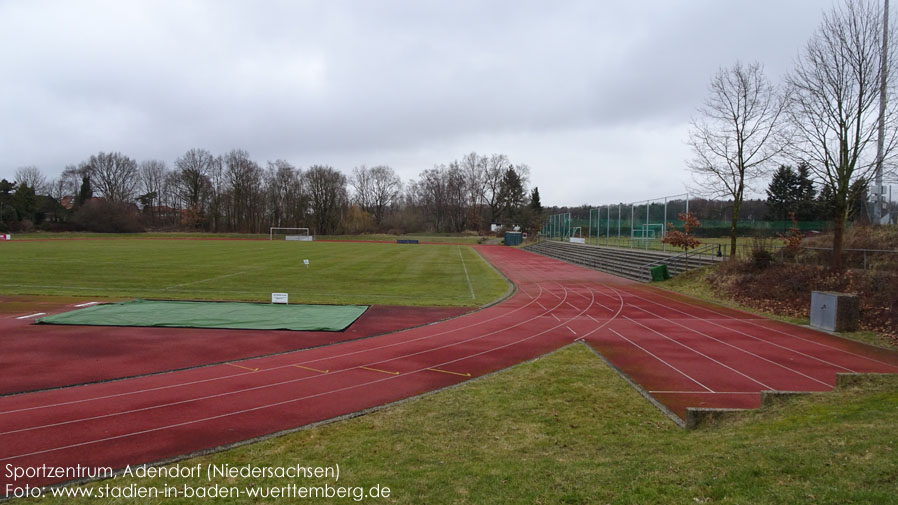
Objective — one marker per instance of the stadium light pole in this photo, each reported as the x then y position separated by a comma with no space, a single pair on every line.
878,193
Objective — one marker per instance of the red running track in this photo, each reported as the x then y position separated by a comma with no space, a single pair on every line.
686,353
37,357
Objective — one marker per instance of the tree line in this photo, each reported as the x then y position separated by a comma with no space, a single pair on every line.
112,192
830,117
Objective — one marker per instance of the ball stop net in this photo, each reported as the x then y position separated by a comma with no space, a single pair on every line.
218,315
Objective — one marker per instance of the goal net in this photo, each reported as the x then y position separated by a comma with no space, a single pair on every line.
283,233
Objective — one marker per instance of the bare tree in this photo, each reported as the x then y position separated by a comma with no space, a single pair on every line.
69,182
736,135
32,177
473,168
114,175
152,177
495,167
431,195
244,177
327,195
360,182
194,168
375,189
284,190
835,88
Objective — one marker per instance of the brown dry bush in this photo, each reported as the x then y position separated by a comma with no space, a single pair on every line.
785,288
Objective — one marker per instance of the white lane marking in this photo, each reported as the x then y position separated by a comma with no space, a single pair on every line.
210,279
684,374
696,351
768,328
706,392
786,348
733,346
467,277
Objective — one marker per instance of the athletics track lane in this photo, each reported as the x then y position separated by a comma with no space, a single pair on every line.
37,357
685,352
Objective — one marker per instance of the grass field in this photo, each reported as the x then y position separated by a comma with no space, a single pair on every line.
440,238
338,273
567,429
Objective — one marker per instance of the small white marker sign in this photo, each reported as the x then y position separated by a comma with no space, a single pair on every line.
278,297
306,263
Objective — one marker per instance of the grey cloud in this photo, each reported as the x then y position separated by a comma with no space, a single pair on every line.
336,82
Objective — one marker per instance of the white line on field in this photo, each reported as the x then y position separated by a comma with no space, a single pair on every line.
470,287
206,280
30,316
87,304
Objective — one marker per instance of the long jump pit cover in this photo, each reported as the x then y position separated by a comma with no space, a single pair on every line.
219,315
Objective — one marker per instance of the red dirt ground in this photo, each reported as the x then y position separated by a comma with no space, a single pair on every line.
684,352
39,357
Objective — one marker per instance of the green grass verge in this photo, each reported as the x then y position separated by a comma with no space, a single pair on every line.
339,273
567,429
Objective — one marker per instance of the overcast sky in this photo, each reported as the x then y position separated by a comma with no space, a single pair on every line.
595,96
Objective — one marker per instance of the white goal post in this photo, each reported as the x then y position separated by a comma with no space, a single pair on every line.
289,233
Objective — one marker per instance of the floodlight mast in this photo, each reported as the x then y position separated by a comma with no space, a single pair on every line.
878,193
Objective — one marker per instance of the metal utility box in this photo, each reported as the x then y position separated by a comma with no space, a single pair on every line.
513,238
834,311
660,273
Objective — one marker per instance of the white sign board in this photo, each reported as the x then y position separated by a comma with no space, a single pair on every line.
6,237
578,240
278,297
306,263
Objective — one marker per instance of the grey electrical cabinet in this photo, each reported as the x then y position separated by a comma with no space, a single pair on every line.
834,311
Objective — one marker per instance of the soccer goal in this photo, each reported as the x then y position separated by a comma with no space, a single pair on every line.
283,233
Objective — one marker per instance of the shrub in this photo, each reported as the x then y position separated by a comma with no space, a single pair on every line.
761,257
102,216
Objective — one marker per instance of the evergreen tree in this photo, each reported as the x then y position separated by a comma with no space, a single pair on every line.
7,212
25,202
85,193
535,204
825,201
783,193
806,210
857,203
511,194
790,191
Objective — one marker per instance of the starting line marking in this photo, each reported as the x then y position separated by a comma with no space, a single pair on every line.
379,370
88,304
244,367
312,369
31,316
447,371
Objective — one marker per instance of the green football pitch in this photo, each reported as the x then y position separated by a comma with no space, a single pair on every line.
337,273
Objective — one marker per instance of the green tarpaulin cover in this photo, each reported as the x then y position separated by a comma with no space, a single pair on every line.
244,316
